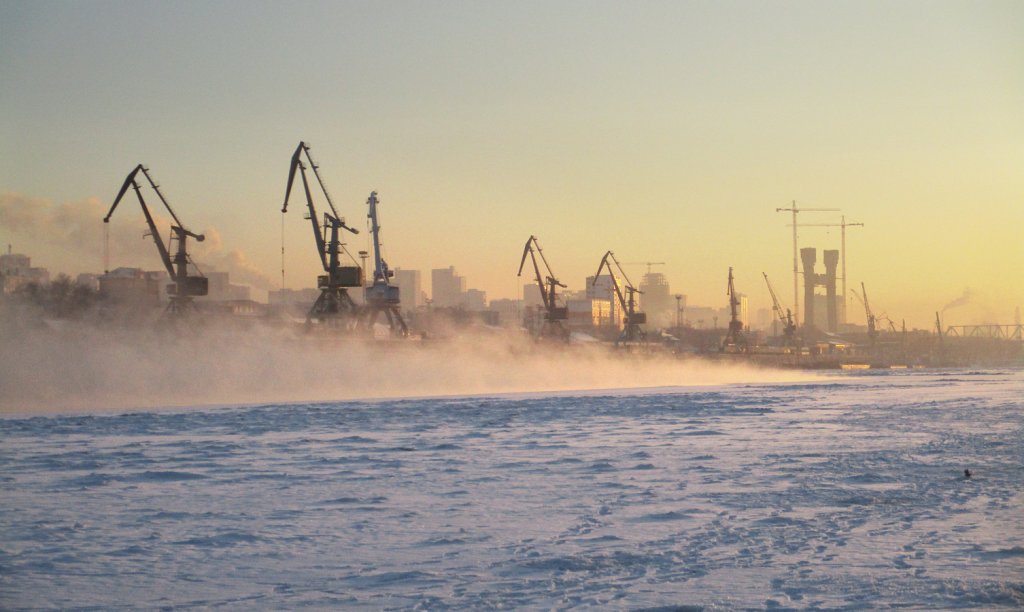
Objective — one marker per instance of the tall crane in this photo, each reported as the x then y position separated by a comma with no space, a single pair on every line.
734,337
552,326
793,209
184,286
381,296
631,331
786,320
334,305
868,315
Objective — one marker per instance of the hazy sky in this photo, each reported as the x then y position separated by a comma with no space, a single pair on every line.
665,131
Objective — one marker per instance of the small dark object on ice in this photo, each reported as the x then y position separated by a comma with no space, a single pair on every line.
967,474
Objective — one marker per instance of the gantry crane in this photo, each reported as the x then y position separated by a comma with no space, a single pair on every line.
184,286
786,320
734,338
381,296
334,305
868,315
631,331
554,315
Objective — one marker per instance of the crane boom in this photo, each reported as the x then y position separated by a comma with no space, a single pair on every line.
333,305
553,314
788,326
184,286
632,320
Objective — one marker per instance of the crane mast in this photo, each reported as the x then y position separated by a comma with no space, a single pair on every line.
334,305
868,315
381,296
734,337
632,320
184,286
552,326
786,320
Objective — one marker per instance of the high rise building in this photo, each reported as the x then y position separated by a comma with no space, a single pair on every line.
657,301
410,287
446,287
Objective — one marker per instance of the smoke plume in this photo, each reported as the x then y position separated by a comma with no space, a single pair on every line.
963,300
70,237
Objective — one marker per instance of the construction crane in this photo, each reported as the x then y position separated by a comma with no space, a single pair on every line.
793,209
184,286
786,320
381,296
334,305
631,331
842,224
734,337
649,264
554,315
868,315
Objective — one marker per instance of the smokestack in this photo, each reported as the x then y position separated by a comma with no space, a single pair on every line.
831,261
808,256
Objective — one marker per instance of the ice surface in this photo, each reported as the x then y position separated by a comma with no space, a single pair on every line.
842,494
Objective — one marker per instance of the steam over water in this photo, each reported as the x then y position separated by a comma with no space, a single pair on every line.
80,367
844,493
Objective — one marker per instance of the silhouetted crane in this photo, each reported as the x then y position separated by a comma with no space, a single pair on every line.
381,296
184,286
868,315
631,331
734,337
786,320
552,326
334,305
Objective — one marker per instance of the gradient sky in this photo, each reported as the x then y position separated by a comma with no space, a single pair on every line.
665,131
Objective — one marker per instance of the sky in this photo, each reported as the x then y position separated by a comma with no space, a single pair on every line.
663,131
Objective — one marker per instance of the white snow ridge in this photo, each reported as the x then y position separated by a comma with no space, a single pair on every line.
845,494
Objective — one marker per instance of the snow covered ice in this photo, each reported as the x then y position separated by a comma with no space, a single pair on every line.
845,493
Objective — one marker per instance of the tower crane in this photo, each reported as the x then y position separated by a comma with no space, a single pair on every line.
649,264
184,286
734,337
334,305
553,314
786,320
870,316
631,331
381,296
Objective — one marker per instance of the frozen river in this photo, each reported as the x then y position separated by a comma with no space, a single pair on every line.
847,493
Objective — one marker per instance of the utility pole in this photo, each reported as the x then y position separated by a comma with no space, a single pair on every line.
843,224
796,270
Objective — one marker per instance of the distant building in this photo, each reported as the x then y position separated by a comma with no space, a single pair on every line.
474,300
657,301
590,314
508,310
90,281
133,286
16,270
409,283
293,296
222,290
603,289
446,287
532,297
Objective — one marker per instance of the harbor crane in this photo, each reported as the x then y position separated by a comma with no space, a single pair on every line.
554,315
734,338
382,296
631,331
786,320
184,286
868,315
334,305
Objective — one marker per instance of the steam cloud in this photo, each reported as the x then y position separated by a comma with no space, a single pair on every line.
72,233
82,367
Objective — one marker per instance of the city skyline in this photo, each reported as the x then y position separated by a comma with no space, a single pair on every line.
664,132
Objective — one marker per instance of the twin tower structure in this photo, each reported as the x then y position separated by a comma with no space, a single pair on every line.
827,280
